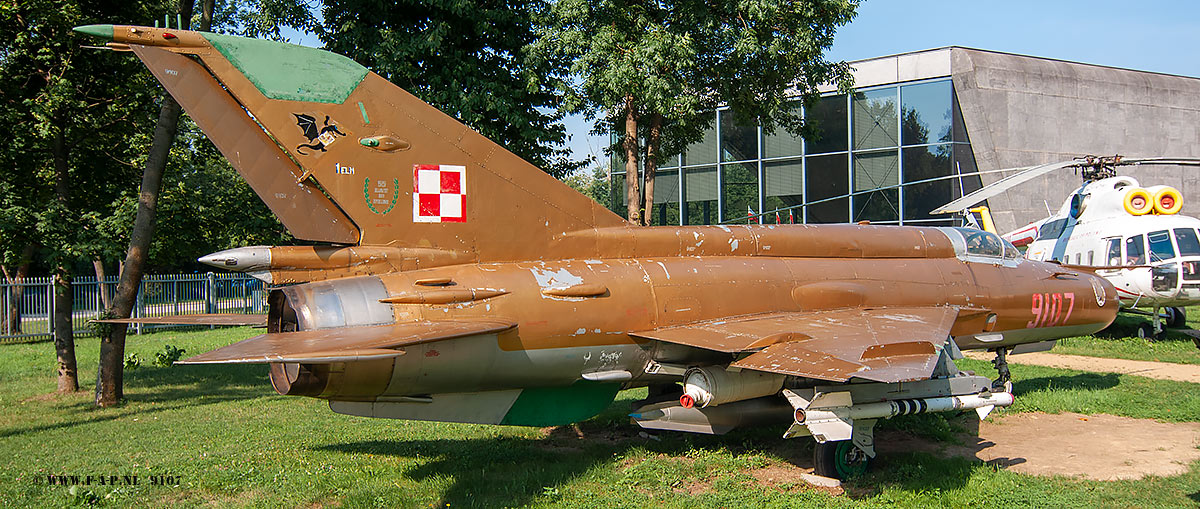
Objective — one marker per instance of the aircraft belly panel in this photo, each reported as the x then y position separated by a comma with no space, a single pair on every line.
477,363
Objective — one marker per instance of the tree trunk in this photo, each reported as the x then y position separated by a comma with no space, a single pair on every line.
105,298
633,198
110,375
64,331
651,164
12,312
64,298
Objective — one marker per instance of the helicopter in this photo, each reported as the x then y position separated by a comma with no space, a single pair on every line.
1130,234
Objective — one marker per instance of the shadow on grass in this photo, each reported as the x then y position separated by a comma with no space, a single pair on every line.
1080,381
177,387
515,471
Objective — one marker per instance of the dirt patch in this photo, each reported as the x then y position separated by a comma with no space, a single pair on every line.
1149,369
1099,447
782,476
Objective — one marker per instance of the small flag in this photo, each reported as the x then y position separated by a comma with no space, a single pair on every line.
749,214
776,217
791,218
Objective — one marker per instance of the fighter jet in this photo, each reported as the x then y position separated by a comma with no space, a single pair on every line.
450,280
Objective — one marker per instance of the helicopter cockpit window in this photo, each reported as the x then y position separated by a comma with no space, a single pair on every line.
1189,245
1160,246
1052,229
1135,251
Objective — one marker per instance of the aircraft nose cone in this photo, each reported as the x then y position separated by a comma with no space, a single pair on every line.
104,31
240,259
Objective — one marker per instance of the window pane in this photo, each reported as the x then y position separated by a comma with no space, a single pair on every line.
784,188
960,128
1134,251
739,185
782,144
703,151
875,119
829,117
665,214
1114,252
963,163
927,113
617,190
666,187
873,171
738,142
1160,246
700,186
1189,245
828,177
922,163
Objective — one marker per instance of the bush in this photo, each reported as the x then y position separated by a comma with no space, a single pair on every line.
168,356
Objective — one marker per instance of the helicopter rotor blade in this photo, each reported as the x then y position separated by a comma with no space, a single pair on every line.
1025,174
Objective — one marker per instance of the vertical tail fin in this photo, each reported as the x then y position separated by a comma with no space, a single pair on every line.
341,155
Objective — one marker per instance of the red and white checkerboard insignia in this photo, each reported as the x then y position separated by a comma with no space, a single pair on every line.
439,193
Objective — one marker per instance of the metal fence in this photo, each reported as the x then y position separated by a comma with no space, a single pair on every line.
27,308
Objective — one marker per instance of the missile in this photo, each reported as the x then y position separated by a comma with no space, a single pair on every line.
298,264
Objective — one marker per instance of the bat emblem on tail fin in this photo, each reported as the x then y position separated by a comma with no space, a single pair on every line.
318,138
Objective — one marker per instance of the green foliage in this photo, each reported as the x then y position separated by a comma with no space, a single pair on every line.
132,362
672,63
73,121
167,357
468,58
594,185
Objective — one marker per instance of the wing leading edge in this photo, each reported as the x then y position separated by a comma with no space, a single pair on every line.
345,344
894,344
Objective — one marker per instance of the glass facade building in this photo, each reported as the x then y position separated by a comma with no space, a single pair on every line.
881,155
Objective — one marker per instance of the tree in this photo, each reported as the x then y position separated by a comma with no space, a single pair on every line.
110,375
68,119
652,72
468,59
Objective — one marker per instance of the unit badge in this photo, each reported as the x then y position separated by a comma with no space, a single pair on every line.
439,193
318,137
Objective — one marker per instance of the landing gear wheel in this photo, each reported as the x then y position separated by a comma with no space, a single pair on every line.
840,460
1145,331
1176,318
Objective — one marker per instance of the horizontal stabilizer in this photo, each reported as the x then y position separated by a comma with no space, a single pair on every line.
346,344
200,319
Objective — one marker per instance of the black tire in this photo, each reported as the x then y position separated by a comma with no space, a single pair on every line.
840,460
1178,318
1145,330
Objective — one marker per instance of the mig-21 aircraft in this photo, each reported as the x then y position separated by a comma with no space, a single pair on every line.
453,281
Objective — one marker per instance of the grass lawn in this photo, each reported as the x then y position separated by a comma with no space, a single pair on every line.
1119,341
229,440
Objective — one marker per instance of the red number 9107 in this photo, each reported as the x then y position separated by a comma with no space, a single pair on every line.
1051,309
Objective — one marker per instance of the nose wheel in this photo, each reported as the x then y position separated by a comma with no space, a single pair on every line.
1001,365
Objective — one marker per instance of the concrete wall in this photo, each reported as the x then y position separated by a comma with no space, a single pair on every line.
1021,111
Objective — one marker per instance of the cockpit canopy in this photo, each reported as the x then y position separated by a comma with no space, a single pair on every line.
977,245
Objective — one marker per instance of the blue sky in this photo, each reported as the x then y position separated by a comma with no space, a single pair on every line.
1147,35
